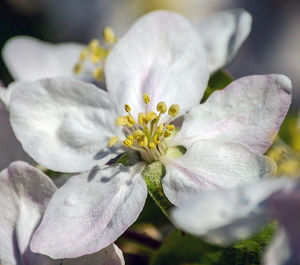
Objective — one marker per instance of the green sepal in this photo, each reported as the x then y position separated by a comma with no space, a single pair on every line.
217,81
153,174
126,159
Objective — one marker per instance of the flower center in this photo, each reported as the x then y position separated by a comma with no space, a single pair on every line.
147,135
95,55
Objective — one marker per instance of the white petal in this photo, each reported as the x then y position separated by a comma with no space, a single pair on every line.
226,215
92,211
24,194
249,110
30,59
162,55
209,165
63,124
279,252
223,33
110,255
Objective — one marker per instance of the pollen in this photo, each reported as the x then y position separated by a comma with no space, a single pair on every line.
147,135
98,74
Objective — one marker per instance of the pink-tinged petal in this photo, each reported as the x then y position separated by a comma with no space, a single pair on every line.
223,33
209,165
63,124
110,255
90,212
162,55
226,215
29,59
249,110
24,194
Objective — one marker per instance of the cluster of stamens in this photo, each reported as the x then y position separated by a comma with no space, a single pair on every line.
96,54
147,135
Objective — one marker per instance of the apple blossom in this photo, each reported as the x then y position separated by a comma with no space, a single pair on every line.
29,59
154,77
24,194
224,216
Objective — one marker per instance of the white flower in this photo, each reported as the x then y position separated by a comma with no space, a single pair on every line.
70,126
227,215
24,194
29,59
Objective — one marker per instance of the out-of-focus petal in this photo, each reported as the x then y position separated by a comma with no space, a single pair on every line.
162,55
29,59
90,212
223,33
63,124
226,215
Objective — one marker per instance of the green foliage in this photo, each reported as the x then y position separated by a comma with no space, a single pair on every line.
217,81
183,249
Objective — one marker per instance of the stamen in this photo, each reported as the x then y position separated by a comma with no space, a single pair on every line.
77,68
167,133
161,107
109,35
146,98
121,121
150,116
112,141
98,74
171,127
83,54
142,118
173,110
127,108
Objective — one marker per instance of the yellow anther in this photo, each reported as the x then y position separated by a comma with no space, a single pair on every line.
77,68
127,108
167,133
161,107
130,138
171,127
138,133
83,54
142,118
151,145
121,121
109,35
159,129
146,98
173,110
142,141
128,143
156,139
130,120
93,45
97,55
150,116
98,74
112,141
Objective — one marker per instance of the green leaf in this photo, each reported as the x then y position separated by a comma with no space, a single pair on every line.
217,81
180,249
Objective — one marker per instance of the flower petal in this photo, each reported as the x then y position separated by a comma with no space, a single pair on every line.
249,110
30,59
226,215
63,124
279,251
209,165
162,55
223,33
90,212
24,194
110,255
